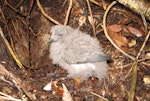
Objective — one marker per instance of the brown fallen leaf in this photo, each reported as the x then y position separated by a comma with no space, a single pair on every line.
134,31
115,28
77,12
118,38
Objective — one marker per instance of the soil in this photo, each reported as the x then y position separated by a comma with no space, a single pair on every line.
28,32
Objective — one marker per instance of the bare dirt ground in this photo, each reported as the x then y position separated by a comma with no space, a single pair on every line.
28,31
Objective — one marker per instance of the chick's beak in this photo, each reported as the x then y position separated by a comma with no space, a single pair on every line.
50,40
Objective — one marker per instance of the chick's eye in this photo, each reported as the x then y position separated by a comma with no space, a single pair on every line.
59,34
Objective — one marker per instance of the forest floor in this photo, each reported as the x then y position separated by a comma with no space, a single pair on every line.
28,31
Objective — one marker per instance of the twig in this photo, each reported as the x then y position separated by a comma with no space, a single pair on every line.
30,8
128,72
134,72
27,30
13,54
146,64
64,2
17,33
139,60
14,9
47,16
134,80
68,12
88,23
6,24
92,20
145,25
142,16
20,2
10,50
99,96
19,40
134,68
8,97
95,2
106,34
15,81
3,78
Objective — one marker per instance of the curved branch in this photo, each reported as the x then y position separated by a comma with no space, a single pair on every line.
68,12
47,16
106,34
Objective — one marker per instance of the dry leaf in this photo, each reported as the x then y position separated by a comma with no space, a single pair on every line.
125,29
48,87
146,79
66,94
133,31
115,28
119,39
77,12
60,91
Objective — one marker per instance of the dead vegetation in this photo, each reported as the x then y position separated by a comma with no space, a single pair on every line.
25,27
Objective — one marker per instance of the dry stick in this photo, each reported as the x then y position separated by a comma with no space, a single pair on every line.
30,8
47,16
8,97
106,34
99,96
27,31
16,81
13,54
10,49
95,2
143,17
92,20
3,79
14,9
146,64
20,2
6,24
18,37
68,12
139,60
134,71
145,25
134,67
64,2
134,80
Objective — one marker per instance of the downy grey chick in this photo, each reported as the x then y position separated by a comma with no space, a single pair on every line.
78,53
